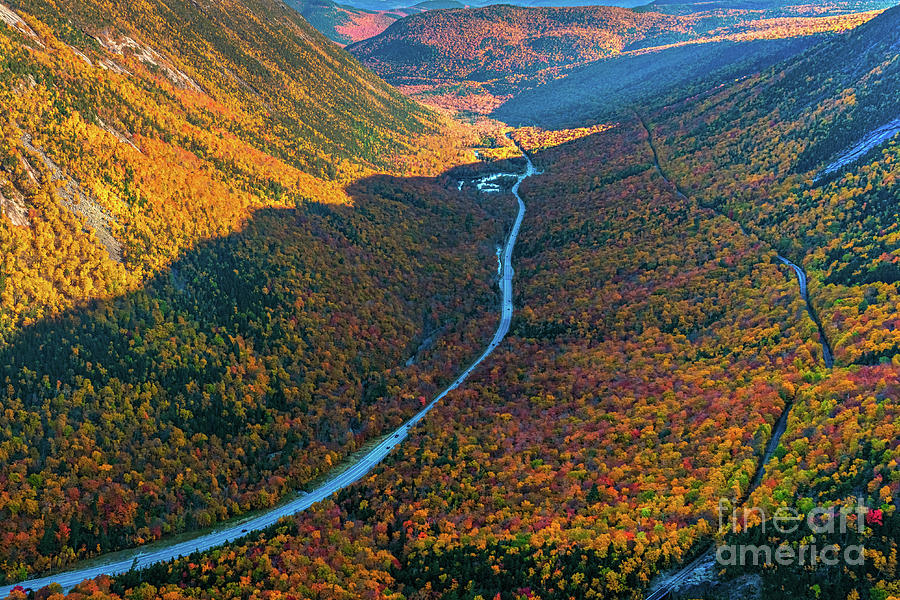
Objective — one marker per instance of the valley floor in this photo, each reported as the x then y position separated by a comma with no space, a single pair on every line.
347,474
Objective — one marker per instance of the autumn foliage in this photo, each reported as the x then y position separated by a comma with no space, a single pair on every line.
657,338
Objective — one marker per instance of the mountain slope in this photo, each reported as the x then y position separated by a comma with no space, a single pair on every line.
770,8
207,295
807,111
261,59
759,151
487,43
345,24
608,89
477,59
165,123
658,340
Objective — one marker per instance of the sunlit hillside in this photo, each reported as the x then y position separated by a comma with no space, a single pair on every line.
477,60
204,281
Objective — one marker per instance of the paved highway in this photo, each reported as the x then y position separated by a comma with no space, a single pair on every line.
121,562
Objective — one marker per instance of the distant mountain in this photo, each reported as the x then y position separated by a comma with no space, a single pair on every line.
607,89
349,22
477,59
355,20
769,8
346,24
379,5
785,7
499,41
438,5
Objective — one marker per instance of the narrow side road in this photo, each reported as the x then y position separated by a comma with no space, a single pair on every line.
121,562
827,355
667,585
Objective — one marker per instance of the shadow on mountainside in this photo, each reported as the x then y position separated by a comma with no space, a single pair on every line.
251,366
607,88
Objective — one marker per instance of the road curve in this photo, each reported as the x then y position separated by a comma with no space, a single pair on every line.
827,355
140,558
662,589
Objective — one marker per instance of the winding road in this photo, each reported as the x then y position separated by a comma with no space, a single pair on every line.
142,557
827,355
706,559
121,562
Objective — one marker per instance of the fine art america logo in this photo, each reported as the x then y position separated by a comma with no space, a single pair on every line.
787,522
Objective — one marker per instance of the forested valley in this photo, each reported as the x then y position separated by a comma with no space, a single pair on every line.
232,258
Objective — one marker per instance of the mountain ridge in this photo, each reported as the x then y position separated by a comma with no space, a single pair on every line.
478,59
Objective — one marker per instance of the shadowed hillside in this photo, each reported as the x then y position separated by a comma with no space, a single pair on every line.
607,89
131,131
202,285
478,59
249,367
345,24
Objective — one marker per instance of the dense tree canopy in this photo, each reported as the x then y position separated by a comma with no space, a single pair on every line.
657,342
